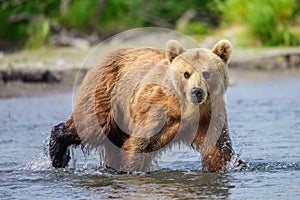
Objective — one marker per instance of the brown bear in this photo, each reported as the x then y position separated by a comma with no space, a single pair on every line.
138,102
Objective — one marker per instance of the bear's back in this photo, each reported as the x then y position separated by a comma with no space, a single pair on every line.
126,67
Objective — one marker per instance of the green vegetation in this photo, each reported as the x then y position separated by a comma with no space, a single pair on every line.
269,21
31,23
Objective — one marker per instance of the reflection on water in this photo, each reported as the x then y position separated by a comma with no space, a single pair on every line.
168,184
265,124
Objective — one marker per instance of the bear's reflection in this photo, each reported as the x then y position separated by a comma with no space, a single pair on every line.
159,185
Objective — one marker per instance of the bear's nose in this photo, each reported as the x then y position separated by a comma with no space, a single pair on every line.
197,95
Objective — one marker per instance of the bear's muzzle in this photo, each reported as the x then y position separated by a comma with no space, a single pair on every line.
197,95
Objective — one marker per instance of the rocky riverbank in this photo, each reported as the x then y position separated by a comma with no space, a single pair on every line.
54,70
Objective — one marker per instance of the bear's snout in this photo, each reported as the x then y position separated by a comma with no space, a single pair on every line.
197,95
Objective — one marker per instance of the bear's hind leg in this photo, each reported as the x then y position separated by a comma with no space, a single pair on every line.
60,139
137,155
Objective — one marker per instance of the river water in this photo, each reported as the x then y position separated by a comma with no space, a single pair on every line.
264,120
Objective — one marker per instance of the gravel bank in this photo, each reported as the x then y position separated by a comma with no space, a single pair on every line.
53,70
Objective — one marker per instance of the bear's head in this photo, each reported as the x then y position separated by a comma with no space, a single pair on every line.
199,73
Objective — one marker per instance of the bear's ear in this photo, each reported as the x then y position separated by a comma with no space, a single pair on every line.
223,49
173,49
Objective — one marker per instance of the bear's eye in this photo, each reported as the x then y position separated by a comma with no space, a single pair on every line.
187,75
206,74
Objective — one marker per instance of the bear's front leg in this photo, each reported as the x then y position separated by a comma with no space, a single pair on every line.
60,139
216,153
217,157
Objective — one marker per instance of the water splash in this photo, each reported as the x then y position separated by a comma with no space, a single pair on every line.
84,162
41,163
236,164
272,166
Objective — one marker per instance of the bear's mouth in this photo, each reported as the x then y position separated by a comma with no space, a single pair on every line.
196,101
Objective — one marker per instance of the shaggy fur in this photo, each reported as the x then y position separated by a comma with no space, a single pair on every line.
138,102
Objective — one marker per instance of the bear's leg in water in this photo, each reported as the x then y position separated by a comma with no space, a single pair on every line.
137,155
219,155
60,139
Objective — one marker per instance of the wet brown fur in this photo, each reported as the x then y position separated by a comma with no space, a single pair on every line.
94,120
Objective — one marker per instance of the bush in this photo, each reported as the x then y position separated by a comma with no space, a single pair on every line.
268,20
39,32
26,22
118,15
79,14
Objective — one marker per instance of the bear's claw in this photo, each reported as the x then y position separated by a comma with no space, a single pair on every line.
60,140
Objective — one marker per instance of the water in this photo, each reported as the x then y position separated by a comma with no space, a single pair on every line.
264,120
